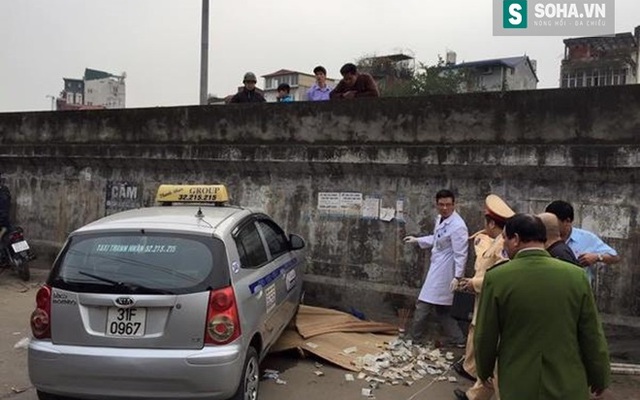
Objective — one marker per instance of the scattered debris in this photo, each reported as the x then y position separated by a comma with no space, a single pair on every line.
18,390
318,365
22,343
366,392
401,362
273,375
350,350
318,373
348,377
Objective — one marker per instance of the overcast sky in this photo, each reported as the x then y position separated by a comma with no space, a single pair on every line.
157,42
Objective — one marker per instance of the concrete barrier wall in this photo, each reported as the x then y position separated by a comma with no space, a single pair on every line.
294,161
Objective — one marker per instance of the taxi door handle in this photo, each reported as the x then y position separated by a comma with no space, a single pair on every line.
258,293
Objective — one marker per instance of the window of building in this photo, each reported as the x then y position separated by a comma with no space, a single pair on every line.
79,98
70,98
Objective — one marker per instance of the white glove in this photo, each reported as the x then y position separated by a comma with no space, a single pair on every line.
410,239
454,284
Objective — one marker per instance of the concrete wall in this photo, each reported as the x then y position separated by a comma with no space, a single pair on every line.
522,77
108,92
530,147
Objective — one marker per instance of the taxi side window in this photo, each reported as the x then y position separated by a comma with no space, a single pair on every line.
275,237
250,247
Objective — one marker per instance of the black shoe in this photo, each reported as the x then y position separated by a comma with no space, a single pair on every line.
460,395
459,368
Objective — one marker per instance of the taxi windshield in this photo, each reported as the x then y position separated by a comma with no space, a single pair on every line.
141,263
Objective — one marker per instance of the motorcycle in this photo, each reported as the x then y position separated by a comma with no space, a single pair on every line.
16,253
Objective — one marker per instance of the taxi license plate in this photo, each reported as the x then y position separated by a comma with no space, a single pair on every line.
20,246
126,322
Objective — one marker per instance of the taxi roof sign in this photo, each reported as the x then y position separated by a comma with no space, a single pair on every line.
192,194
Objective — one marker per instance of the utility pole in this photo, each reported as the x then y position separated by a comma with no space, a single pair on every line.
53,98
204,53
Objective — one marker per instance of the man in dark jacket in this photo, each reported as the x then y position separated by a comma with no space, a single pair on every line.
555,245
248,94
354,84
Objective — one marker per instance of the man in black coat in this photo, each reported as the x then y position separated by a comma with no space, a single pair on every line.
248,94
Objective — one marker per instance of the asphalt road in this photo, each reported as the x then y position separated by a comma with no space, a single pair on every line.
17,301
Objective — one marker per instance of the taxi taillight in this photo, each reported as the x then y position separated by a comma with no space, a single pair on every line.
41,316
223,322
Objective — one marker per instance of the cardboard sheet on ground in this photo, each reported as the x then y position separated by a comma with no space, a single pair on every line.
327,333
313,321
331,346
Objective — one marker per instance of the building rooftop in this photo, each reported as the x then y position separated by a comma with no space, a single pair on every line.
282,72
509,62
94,74
605,42
392,57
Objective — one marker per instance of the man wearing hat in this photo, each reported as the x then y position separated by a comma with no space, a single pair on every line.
248,94
489,248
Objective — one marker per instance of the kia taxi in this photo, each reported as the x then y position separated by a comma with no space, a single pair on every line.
178,301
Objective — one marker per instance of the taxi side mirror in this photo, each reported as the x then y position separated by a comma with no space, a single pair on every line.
296,242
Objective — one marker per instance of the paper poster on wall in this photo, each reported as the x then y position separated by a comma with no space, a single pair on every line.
387,214
371,208
329,203
351,203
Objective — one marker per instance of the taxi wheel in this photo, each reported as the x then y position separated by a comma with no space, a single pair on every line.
248,388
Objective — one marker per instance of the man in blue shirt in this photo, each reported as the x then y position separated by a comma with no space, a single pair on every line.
588,248
320,90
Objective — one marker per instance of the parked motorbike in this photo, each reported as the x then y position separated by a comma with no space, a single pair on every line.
16,253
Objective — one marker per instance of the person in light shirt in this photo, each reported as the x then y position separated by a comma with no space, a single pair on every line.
587,247
449,250
320,90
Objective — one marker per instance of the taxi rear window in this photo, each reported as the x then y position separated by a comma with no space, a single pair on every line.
140,262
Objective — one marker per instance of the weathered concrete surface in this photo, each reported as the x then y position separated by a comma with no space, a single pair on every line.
530,147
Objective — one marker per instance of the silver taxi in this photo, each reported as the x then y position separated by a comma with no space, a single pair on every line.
178,302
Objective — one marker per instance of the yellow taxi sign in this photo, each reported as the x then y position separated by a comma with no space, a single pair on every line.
192,194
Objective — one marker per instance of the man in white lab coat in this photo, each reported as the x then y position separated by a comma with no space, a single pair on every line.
449,247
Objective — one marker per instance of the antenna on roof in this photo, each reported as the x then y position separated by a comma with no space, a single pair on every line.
200,214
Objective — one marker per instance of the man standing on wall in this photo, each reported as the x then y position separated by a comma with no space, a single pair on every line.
587,247
354,84
489,249
538,319
449,246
